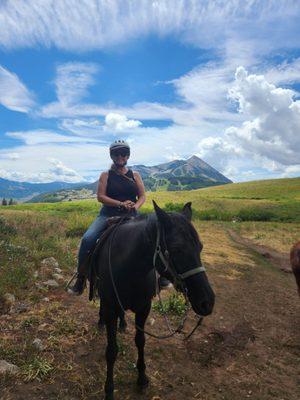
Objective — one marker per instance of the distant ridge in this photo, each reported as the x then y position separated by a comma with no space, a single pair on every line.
25,190
176,175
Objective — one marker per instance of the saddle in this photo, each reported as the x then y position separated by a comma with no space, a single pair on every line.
90,264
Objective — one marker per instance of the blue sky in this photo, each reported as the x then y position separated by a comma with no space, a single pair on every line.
174,78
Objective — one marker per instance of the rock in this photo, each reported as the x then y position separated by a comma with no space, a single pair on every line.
20,308
9,298
46,299
49,262
39,286
58,270
51,283
36,274
48,265
8,368
37,343
58,277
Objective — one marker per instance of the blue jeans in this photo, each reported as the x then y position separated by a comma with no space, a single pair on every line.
90,237
94,231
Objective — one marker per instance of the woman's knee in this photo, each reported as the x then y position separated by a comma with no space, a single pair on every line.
88,240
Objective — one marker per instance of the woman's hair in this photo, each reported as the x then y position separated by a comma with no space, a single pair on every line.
113,167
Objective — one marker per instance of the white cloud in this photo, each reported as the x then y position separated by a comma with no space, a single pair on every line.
285,73
119,122
218,152
36,164
40,136
293,170
273,119
95,24
13,93
39,177
73,80
10,156
63,173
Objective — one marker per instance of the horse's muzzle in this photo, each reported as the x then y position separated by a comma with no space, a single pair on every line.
204,306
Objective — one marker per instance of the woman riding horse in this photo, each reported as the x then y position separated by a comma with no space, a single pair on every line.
121,191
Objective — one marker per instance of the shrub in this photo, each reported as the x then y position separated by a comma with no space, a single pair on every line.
5,229
173,207
248,214
175,304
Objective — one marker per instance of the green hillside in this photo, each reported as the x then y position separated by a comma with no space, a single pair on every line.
276,199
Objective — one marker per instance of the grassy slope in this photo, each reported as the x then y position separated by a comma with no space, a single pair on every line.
276,199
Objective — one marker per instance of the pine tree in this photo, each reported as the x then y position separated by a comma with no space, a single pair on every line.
11,202
4,202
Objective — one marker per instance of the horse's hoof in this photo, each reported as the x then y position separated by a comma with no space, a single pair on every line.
143,382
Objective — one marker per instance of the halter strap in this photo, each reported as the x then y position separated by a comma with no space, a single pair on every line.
192,272
164,259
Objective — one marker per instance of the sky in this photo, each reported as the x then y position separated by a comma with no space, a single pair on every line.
175,78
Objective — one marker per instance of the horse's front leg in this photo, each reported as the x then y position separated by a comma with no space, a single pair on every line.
140,319
122,323
101,322
111,354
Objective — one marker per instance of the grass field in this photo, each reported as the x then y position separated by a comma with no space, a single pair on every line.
269,200
248,348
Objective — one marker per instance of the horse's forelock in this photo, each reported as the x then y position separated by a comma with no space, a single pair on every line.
183,230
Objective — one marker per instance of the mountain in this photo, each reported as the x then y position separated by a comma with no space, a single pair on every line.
189,174
23,191
192,173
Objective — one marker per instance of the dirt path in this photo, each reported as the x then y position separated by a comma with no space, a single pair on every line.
276,258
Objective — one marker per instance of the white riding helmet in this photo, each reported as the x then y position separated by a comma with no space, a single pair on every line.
118,145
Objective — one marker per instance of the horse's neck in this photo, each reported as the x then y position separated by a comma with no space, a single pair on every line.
146,240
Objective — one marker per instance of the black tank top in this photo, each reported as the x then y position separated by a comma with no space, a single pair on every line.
120,188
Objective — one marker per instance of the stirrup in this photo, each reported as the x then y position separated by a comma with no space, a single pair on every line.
78,288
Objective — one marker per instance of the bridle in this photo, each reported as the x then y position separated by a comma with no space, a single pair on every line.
164,256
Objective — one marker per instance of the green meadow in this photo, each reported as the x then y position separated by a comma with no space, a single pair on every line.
268,200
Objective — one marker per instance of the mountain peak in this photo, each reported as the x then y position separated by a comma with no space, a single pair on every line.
194,158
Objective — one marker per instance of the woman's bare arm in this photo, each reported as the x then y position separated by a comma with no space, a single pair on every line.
141,191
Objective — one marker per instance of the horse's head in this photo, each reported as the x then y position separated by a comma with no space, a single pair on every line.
180,239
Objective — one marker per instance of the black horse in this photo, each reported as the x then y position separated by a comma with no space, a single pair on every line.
126,265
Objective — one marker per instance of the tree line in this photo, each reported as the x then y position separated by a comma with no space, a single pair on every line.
10,202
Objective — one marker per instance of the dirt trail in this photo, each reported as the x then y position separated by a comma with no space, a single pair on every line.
276,258
248,348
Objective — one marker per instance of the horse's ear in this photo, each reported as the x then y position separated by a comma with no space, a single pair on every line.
187,211
162,216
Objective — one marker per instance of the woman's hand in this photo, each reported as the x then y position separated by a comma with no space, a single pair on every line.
128,204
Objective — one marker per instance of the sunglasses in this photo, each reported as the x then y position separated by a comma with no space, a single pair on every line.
122,153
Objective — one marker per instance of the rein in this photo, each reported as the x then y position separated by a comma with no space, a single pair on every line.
178,281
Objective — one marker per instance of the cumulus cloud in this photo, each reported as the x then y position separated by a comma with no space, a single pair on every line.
63,173
273,119
218,152
119,122
13,93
